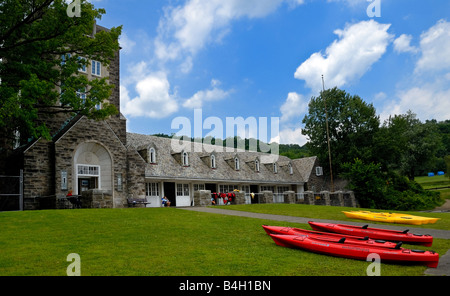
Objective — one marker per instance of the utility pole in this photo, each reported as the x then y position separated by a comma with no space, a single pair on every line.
328,133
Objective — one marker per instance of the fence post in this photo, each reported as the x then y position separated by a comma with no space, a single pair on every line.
21,191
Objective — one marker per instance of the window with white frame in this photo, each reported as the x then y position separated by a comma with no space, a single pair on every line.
185,157
152,189
182,189
198,187
275,168
81,94
82,67
213,161
224,188
236,164
64,58
267,188
88,170
96,68
291,169
257,168
282,189
319,171
152,155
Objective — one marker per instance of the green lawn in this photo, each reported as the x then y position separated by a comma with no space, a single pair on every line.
333,213
435,182
163,242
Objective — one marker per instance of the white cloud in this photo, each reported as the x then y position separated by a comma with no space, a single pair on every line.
359,46
126,44
295,105
290,136
427,101
403,44
185,30
199,98
153,99
435,47
429,90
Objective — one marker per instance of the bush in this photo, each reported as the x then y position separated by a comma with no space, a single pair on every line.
391,191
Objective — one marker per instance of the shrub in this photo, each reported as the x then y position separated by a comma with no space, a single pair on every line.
391,191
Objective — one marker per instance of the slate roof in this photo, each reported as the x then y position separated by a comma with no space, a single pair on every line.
169,166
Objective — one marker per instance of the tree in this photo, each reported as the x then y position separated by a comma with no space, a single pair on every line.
352,125
447,162
41,52
407,145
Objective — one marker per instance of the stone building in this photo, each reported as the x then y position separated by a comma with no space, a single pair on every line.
104,164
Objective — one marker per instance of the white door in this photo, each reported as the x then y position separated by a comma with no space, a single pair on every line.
183,195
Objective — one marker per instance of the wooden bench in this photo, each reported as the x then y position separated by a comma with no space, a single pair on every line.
132,202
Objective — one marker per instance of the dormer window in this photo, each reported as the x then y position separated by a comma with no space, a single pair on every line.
275,168
236,164
152,155
213,161
291,169
257,168
185,158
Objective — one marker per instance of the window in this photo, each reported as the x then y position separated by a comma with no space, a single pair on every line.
182,189
319,171
282,189
152,155
82,67
275,168
119,182
291,169
227,188
236,164
81,94
267,188
198,187
96,68
185,159
257,166
152,189
88,170
213,161
64,58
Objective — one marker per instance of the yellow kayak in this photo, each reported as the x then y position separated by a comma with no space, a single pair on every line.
390,217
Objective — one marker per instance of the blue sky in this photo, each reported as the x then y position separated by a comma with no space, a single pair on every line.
264,59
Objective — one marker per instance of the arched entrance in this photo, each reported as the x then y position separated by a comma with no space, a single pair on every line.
92,165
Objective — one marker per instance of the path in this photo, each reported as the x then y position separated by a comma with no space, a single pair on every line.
444,260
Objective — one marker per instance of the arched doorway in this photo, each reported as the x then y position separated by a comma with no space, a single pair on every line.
92,165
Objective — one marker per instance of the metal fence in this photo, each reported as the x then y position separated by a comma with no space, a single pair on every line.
11,193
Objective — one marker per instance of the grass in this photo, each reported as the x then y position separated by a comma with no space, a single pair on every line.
435,182
332,213
163,242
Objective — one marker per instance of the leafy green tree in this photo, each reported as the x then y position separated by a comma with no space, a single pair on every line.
407,145
41,52
447,162
352,126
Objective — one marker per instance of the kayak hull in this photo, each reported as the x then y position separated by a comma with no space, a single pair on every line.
328,236
359,252
390,217
374,233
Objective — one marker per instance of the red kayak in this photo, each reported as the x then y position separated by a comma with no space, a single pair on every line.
374,233
327,236
355,251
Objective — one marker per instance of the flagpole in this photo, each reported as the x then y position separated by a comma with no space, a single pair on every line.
328,134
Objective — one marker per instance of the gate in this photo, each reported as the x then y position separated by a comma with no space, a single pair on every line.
11,193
